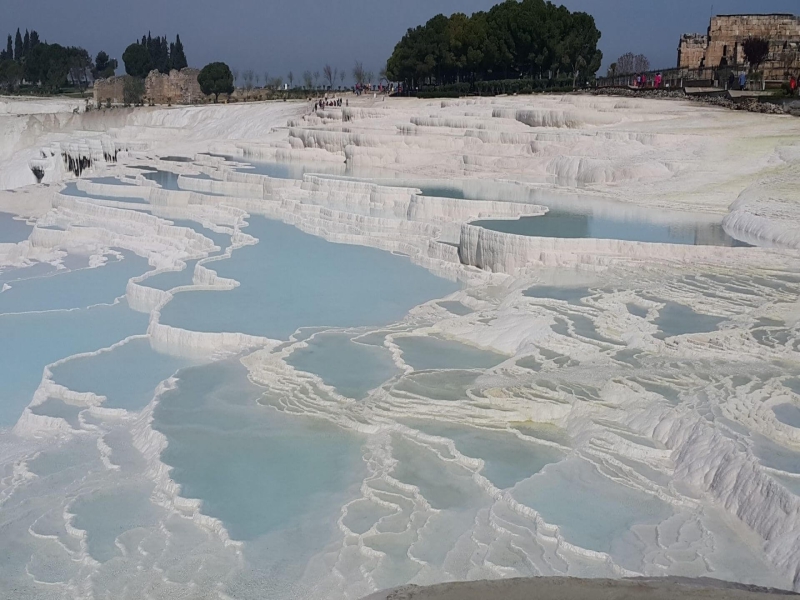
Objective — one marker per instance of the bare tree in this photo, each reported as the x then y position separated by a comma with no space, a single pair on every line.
266,79
630,63
316,79
277,83
235,73
258,79
308,80
359,74
369,76
248,77
290,77
329,74
342,75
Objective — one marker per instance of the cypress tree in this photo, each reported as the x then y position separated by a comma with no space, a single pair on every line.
26,44
34,39
9,49
178,56
18,47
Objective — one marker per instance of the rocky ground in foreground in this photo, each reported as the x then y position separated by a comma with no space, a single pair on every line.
567,588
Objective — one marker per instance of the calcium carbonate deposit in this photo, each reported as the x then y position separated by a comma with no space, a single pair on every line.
251,351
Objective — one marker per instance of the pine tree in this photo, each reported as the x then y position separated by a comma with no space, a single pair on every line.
26,44
18,47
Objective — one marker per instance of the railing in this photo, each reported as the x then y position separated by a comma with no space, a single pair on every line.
677,78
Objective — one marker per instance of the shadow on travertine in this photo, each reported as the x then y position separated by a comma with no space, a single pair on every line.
567,588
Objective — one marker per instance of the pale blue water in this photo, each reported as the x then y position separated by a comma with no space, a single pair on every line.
677,319
32,341
456,308
222,240
71,189
572,295
565,224
788,414
178,159
13,231
127,375
257,470
53,407
558,222
340,286
172,279
107,514
427,352
507,459
352,368
605,512
35,270
111,181
73,289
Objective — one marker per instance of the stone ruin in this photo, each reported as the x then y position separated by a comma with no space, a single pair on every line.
176,87
723,44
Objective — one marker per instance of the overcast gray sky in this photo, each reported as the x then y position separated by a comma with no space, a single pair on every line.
282,35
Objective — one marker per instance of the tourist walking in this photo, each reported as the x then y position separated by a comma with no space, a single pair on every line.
742,81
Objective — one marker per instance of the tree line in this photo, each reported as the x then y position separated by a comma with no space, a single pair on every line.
154,53
48,67
513,40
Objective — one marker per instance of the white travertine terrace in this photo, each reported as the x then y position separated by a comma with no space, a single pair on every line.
677,418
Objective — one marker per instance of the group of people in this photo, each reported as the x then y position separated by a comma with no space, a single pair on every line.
329,103
643,81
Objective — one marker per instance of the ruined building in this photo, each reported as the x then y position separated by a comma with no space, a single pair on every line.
177,87
722,45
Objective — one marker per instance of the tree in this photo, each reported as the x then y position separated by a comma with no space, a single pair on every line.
359,74
266,79
80,64
49,65
308,79
756,50
330,74
342,75
9,49
104,66
290,76
216,78
26,44
178,55
316,79
137,59
612,70
248,77
235,74
630,63
133,91
18,47
11,74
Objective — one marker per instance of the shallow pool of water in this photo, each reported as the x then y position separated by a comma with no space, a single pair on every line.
352,368
13,229
127,375
564,224
291,279
429,352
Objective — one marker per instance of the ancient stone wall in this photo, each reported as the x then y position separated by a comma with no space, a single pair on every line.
177,87
692,50
726,35
110,90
